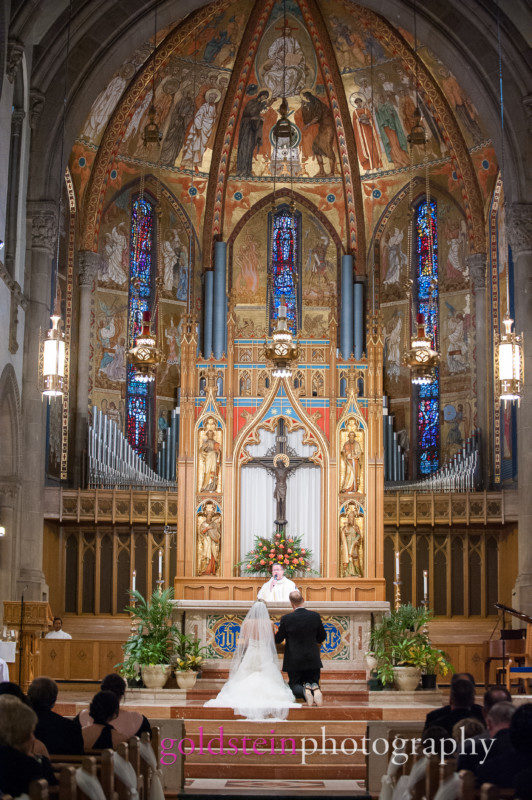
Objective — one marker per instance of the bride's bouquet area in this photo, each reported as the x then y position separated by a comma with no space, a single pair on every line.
288,551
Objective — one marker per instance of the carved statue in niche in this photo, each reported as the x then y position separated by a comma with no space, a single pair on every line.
210,457
209,536
351,541
351,457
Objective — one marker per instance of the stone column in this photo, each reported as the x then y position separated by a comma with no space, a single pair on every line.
519,226
17,118
43,216
88,263
477,269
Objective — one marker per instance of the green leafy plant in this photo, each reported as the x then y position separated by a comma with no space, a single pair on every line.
153,641
288,551
399,641
188,652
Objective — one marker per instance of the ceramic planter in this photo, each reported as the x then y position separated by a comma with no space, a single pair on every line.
428,681
186,679
406,679
155,675
371,663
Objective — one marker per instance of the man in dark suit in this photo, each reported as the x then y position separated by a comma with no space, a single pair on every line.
432,716
462,706
61,736
303,632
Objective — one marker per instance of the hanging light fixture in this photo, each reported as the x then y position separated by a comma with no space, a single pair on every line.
145,356
508,352
151,133
282,349
422,359
509,366
52,347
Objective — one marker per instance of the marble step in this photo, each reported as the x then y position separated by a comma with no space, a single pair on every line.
239,728
287,757
303,712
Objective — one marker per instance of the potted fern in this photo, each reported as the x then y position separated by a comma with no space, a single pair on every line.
189,659
151,645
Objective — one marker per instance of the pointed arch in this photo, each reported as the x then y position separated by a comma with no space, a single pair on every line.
10,424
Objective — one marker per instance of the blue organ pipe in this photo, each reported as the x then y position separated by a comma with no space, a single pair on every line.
207,320
346,308
167,466
219,299
358,313
389,434
396,456
385,444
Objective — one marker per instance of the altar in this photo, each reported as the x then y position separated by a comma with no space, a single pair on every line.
216,623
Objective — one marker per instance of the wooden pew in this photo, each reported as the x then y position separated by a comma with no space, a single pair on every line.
38,790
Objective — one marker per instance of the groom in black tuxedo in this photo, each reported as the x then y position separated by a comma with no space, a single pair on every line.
304,632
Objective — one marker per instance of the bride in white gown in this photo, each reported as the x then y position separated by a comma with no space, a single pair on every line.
255,688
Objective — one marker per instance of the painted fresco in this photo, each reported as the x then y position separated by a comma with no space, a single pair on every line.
456,423
110,337
319,263
395,328
456,338
249,260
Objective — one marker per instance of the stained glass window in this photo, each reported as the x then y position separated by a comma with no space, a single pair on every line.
284,266
428,399
140,395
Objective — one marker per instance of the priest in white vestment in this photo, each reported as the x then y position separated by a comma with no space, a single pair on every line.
57,631
278,588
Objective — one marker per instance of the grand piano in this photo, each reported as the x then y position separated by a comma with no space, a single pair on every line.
512,650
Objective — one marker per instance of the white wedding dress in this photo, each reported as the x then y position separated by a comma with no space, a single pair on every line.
255,688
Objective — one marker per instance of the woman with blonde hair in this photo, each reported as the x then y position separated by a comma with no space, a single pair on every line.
17,767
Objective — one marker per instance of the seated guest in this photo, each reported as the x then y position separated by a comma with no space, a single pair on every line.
57,631
431,718
17,767
462,705
130,723
514,751
471,756
61,736
13,689
101,734
468,728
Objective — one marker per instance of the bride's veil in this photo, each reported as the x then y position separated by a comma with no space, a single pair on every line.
256,631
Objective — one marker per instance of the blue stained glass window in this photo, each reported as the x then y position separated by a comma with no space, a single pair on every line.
284,270
428,400
140,395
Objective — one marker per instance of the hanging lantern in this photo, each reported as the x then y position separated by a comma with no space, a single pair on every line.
509,364
421,359
282,348
283,131
53,358
144,356
151,133
417,133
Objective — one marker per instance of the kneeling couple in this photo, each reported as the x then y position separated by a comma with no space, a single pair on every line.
255,688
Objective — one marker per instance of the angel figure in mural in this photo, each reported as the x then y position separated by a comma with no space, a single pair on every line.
209,538
392,346
457,340
113,413
350,463
285,59
351,544
113,363
390,127
201,129
106,101
180,119
173,255
318,268
397,259
248,263
210,457
115,252
456,268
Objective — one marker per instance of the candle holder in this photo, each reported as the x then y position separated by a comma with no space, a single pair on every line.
397,594
425,605
133,627
160,584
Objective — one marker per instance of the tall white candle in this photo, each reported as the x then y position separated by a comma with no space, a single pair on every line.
425,582
134,584
397,565
160,564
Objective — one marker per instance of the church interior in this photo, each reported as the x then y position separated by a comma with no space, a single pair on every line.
266,281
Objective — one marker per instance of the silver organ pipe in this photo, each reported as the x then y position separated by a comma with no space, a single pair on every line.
462,473
168,448
112,460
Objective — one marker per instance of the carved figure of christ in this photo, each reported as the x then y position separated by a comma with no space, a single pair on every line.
279,463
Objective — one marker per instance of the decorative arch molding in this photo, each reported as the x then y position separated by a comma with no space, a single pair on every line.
465,170
116,127
382,222
10,415
223,146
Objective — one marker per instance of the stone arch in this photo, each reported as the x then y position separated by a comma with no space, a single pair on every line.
10,428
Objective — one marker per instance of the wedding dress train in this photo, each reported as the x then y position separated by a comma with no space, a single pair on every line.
255,688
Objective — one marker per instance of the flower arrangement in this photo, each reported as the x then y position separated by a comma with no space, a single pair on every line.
188,652
288,551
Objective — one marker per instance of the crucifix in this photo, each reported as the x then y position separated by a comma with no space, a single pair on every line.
281,462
